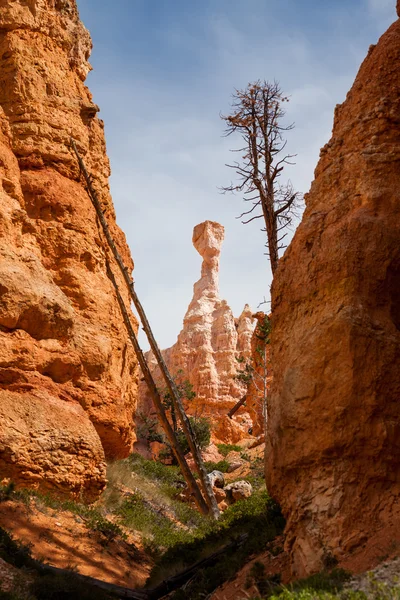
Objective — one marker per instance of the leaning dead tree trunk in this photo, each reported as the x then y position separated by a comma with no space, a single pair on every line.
237,406
190,480
171,386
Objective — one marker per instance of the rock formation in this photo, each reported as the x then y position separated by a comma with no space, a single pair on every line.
67,372
260,354
334,415
209,343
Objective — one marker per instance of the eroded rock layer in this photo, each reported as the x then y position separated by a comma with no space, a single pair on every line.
334,416
207,348
260,383
67,372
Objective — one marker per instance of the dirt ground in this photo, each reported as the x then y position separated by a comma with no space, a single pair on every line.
61,539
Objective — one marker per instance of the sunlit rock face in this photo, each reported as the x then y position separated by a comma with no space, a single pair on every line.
334,415
67,372
208,346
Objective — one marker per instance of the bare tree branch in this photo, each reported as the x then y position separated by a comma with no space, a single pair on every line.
257,116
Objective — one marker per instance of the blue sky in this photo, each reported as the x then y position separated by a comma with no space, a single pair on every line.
163,71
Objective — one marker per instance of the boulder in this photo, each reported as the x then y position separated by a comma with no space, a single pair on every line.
217,479
239,490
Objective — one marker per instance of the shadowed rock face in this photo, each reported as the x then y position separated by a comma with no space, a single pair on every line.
67,372
210,341
334,415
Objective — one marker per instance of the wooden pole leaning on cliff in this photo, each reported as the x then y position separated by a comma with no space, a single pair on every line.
205,483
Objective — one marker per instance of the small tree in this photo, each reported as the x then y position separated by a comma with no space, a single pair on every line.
257,115
202,431
200,426
185,391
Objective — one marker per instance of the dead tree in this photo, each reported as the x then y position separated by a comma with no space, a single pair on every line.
257,115
205,483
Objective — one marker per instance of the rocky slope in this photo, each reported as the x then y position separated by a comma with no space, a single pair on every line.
67,372
334,415
209,343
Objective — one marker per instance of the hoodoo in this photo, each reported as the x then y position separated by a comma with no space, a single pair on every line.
67,371
334,415
210,342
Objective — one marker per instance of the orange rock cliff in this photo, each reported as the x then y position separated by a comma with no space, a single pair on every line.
334,414
208,345
67,372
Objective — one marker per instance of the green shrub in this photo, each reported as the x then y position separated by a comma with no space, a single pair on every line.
155,471
7,491
108,529
224,449
202,432
222,466
326,584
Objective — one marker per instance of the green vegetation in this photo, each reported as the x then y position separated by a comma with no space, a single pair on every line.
330,586
256,475
222,466
258,577
327,585
326,582
224,449
202,432
155,471
109,530
142,495
258,517
177,536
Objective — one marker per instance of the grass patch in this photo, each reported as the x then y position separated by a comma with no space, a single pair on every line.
326,582
159,533
330,585
224,449
155,471
142,496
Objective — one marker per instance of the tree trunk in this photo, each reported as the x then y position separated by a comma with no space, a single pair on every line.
237,406
186,472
